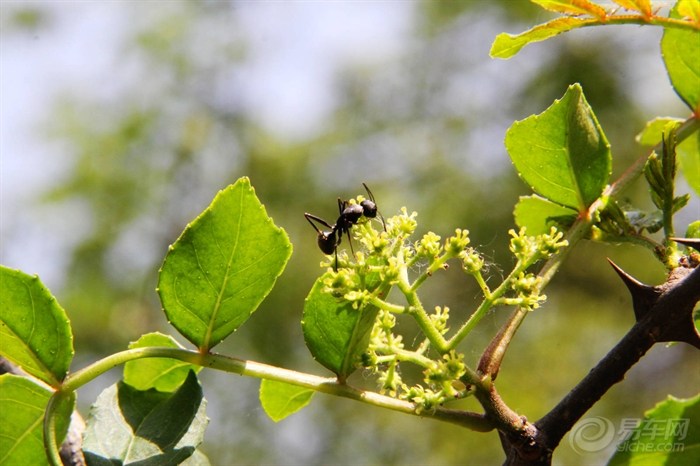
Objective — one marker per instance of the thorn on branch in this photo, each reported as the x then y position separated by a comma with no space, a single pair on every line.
690,242
643,296
674,323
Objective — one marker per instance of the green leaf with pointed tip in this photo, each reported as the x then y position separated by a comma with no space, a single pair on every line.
642,6
335,332
222,266
538,215
128,426
680,49
35,332
562,153
572,7
23,402
668,434
280,399
163,374
654,130
508,45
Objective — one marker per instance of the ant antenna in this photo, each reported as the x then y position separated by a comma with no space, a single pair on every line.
370,207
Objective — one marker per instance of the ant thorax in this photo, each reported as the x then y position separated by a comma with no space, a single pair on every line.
351,212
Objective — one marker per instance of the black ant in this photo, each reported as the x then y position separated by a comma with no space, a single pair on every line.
350,213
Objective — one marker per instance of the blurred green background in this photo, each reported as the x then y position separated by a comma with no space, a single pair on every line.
121,121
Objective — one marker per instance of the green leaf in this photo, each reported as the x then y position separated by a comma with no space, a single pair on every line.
35,331
163,374
668,434
562,153
280,399
508,45
335,332
681,51
222,266
572,7
538,215
689,9
129,426
642,6
653,131
688,153
693,230
23,402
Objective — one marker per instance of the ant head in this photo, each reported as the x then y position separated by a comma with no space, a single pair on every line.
369,208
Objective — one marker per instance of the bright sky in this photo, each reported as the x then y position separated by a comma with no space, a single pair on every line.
287,85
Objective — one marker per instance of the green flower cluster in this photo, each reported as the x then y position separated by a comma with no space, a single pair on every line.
390,259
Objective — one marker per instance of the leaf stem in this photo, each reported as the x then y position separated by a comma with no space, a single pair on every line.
51,446
331,386
328,385
654,20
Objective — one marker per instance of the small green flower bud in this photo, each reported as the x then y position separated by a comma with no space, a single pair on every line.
440,318
532,302
472,262
549,244
389,381
454,365
358,298
386,320
429,246
526,283
338,283
403,224
457,243
527,287
521,245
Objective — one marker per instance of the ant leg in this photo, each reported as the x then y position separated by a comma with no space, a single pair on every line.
347,232
310,217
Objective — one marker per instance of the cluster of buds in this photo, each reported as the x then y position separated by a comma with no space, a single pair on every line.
527,288
442,383
387,257
439,319
530,249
